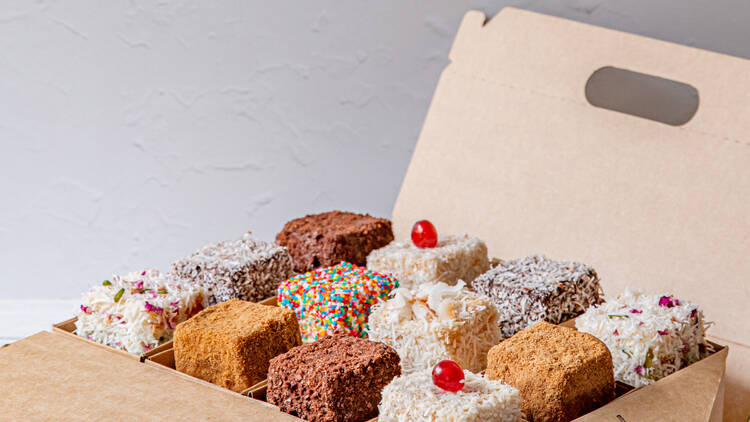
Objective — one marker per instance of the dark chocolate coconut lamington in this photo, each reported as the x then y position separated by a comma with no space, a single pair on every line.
338,378
323,240
246,269
538,289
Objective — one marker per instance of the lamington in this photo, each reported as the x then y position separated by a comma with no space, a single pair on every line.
561,373
649,336
434,322
338,378
537,288
138,311
414,398
335,299
231,344
453,258
245,269
323,240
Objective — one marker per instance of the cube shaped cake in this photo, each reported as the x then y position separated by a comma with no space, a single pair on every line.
414,398
322,240
335,299
560,372
138,311
434,322
338,378
650,336
246,269
453,258
231,344
537,288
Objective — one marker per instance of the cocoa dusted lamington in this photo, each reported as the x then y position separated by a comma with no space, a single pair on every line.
246,269
231,344
537,288
561,373
338,378
322,240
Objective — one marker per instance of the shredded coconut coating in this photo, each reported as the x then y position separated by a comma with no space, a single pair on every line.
649,336
415,398
139,311
436,322
247,269
454,258
536,288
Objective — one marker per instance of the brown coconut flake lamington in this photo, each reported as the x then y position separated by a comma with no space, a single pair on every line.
323,240
338,378
561,373
246,269
537,288
231,344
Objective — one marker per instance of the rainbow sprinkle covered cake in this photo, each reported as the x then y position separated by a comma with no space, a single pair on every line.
335,299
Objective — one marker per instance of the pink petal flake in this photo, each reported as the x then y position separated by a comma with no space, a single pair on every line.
154,309
663,332
636,311
639,369
86,310
668,302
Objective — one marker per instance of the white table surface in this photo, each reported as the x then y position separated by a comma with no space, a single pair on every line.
22,318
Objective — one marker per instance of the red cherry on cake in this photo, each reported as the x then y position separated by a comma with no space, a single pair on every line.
448,376
424,235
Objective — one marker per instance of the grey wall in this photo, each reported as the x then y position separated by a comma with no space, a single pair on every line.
134,132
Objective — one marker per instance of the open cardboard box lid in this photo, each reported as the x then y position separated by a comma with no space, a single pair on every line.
49,376
511,151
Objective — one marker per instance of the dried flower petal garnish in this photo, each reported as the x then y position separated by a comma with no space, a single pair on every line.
636,311
663,332
638,370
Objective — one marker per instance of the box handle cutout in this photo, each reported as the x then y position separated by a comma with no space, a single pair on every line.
642,95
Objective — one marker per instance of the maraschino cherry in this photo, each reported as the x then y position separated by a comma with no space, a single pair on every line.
448,376
424,235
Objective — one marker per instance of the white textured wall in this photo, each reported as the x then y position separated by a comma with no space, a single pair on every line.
134,132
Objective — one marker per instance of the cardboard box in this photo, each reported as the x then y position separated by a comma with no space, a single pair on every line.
49,376
513,152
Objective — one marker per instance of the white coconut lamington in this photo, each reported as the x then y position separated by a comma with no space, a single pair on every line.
453,258
649,336
414,397
246,268
537,288
138,311
434,322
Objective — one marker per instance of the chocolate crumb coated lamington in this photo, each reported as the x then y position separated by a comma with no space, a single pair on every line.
336,379
322,240
246,269
560,372
453,258
231,344
537,288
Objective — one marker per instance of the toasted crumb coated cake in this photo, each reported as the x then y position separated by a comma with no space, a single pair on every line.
231,344
338,378
454,258
560,372
537,288
414,398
